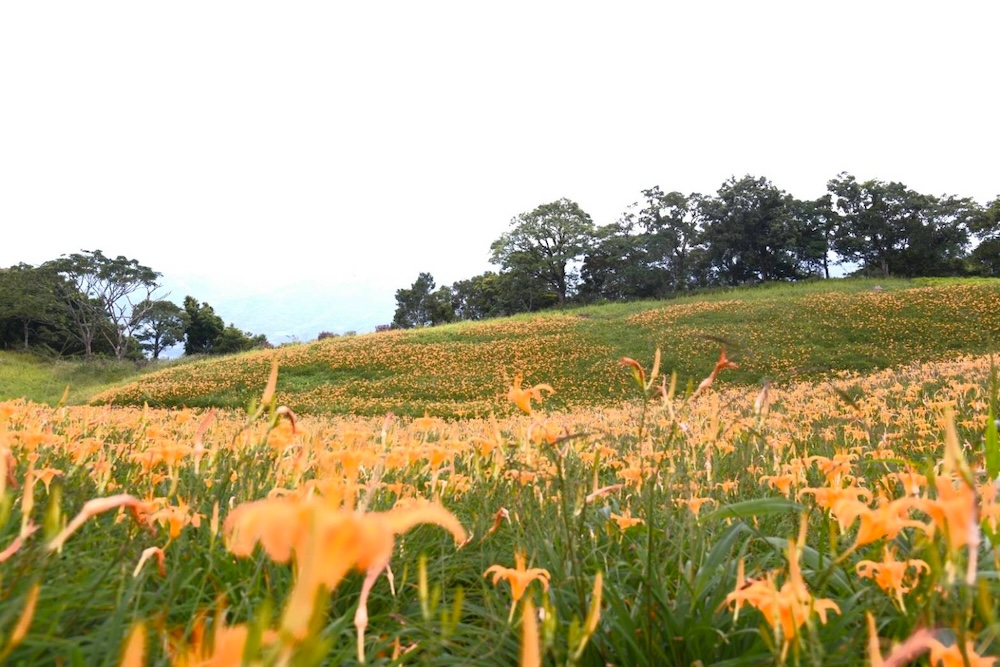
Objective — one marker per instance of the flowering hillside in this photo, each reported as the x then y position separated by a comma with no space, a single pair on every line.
779,334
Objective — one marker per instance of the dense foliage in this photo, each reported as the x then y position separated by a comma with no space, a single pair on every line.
88,304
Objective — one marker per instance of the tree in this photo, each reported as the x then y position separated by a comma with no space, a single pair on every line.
103,296
889,228
162,326
203,327
493,294
673,225
937,237
479,297
748,233
440,306
814,222
27,299
544,243
619,265
233,340
875,218
421,305
986,227
206,333
410,310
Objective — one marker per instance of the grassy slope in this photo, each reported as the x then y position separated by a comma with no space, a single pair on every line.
780,332
45,381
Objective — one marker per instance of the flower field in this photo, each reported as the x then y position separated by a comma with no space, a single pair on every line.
460,370
843,521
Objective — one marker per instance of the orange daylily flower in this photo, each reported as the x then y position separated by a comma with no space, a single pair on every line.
786,608
16,544
722,364
226,648
625,521
174,518
829,497
917,644
326,541
912,482
885,521
954,511
603,491
902,654
782,483
835,468
891,575
522,397
518,577
45,476
92,508
272,384
639,373
146,555
694,504
499,517
24,620
951,656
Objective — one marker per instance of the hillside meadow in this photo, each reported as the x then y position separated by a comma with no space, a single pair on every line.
709,516
778,333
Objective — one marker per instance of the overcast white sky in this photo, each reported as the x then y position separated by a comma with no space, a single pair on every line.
260,154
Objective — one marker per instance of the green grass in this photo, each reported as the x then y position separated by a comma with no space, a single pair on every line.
42,380
666,582
780,332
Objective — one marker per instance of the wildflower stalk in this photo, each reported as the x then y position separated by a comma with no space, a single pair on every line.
558,456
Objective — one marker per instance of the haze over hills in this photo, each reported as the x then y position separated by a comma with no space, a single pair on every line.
288,313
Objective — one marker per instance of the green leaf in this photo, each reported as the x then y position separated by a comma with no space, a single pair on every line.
992,442
755,507
52,523
992,446
715,562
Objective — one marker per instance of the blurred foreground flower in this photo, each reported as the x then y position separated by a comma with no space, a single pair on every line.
920,642
326,541
92,508
219,645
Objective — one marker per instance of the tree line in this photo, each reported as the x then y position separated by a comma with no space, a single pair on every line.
88,304
749,231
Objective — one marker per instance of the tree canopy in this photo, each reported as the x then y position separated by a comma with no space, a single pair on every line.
104,296
90,304
749,231
544,243
421,305
162,326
